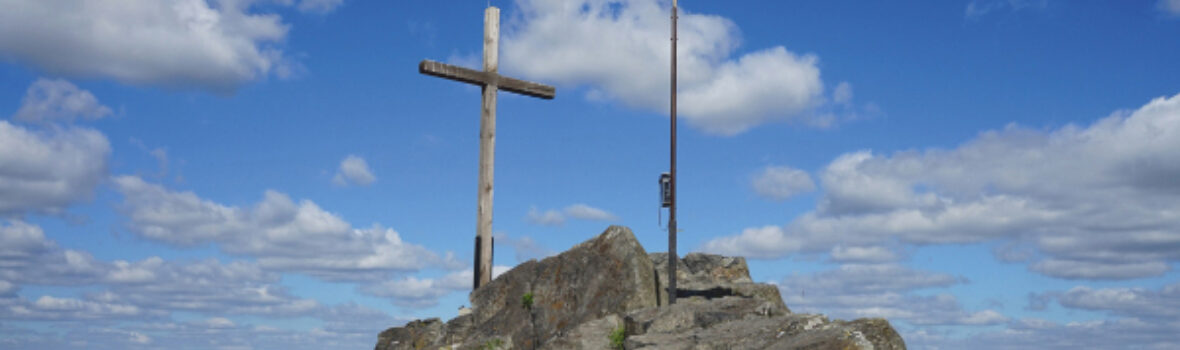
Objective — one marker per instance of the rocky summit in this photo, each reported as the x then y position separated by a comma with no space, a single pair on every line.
609,293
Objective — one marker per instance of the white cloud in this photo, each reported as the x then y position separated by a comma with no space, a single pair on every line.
8,289
59,100
54,308
842,94
856,290
863,254
1042,334
128,305
620,49
319,6
345,326
353,171
177,43
150,286
279,232
21,241
1096,202
219,322
1099,270
1139,303
525,247
979,8
208,287
47,170
766,242
876,278
547,218
1012,252
1171,7
159,153
781,182
586,212
27,256
414,292
552,217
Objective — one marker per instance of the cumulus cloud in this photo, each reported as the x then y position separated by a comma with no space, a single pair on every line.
1099,270
28,257
553,217
545,218
781,182
319,6
59,100
8,289
281,233
353,170
47,167
150,287
1138,303
345,326
842,94
1096,202
620,49
159,153
854,254
414,292
862,278
209,287
1034,333
525,247
979,8
215,45
130,304
49,308
47,170
883,290
585,212
1170,7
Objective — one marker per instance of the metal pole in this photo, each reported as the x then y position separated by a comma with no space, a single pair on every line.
673,258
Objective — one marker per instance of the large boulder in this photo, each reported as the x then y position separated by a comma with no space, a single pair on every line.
710,276
607,275
608,292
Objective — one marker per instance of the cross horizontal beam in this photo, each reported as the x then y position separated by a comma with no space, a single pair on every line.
474,77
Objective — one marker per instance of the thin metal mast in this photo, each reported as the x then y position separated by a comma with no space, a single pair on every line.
672,257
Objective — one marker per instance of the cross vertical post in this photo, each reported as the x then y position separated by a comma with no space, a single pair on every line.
487,147
491,83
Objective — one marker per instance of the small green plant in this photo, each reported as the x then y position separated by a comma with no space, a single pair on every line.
492,344
617,337
526,300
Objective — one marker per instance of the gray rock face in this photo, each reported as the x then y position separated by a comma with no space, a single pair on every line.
708,276
609,274
610,284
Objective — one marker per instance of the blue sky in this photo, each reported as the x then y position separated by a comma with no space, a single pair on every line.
275,174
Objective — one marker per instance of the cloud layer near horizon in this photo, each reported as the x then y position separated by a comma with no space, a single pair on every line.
281,233
1094,202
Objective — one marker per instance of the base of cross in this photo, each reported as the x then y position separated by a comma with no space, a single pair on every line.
477,271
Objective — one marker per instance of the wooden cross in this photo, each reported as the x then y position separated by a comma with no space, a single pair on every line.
491,81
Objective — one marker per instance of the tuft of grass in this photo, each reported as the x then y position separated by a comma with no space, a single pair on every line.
617,337
492,344
526,300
